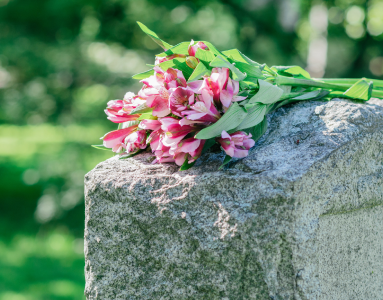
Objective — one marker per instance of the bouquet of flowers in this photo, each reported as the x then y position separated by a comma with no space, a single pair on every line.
196,96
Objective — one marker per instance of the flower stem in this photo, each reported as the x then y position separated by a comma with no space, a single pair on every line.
331,84
283,80
377,93
350,81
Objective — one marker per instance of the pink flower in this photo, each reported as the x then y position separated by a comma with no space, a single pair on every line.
163,156
172,78
166,58
156,96
160,60
114,139
229,95
193,48
179,99
118,111
135,141
158,148
155,89
221,86
189,149
174,132
196,86
218,81
236,144
150,124
203,110
154,139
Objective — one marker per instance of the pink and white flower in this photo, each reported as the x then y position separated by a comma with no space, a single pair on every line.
229,95
203,110
116,114
156,89
115,139
179,100
131,101
192,50
179,111
150,125
161,59
118,111
221,86
218,81
236,144
189,149
135,141
158,148
174,132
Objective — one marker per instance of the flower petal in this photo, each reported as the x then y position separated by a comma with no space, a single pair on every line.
240,153
115,137
195,86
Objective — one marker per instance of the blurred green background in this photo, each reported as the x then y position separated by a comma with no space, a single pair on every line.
62,60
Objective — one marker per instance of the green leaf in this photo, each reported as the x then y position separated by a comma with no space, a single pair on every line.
208,144
238,56
268,93
296,71
198,72
129,124
275,106
254,116
285,88
181,48
247,94
291,95
154,36
252,72
269,71
141,109
226,160
308,95
360,90
147,116
248,85
143,75
206,56
222,62
258,130
291,98
186,165
231,119
177,63
321,95
101,147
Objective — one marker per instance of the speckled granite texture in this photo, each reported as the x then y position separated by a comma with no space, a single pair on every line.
291,221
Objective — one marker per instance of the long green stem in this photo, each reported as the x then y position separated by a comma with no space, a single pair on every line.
283,80
351,81
377,94
332,84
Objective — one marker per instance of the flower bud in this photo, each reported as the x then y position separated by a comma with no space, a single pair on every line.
192,62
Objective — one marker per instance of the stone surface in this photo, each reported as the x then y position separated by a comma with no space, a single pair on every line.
294,220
